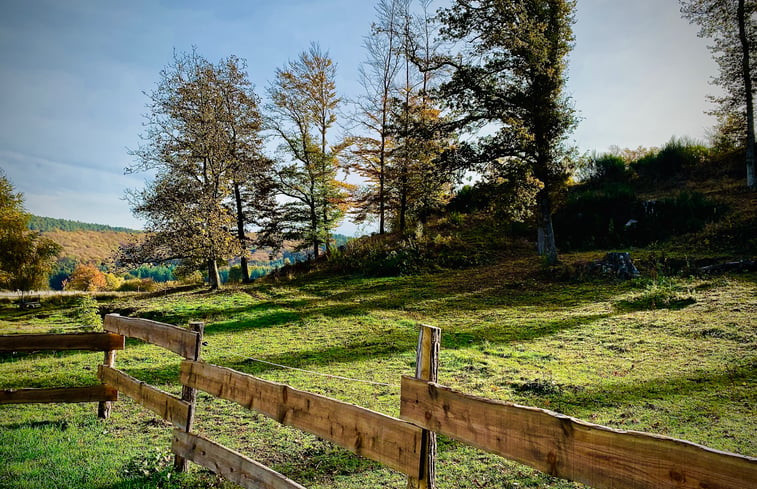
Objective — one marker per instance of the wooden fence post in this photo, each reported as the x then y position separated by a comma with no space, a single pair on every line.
189,394
104,407
427,368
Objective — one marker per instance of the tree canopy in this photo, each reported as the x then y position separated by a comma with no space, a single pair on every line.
202,129
510,78
732,26
26,257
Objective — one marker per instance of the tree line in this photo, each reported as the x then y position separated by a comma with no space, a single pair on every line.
478,86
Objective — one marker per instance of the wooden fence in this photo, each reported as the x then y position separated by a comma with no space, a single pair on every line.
102,393
562,446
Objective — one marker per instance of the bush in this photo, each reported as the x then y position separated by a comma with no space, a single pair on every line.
660,293
87,312
612,217
595,218
676,157
138,285
606,168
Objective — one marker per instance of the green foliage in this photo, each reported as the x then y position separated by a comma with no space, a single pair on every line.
61,272
678,157
86,312
26,257
139,285
158,273
606,168
44,224
658,293
388,255
612,216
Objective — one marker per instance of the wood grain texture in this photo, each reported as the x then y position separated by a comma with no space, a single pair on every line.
565,447
228,463
427,368
174,338
388,440
67,394
165,405
67,341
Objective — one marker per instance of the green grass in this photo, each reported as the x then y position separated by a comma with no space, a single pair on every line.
671,357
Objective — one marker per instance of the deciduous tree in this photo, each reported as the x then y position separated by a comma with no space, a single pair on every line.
510,79
26,257
203,143
301,114
732,26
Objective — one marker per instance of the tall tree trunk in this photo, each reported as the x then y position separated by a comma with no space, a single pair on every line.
382,204
546,234
751,175
240,234
314,224
213,277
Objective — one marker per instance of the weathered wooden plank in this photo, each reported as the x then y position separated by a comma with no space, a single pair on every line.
67,341
388,440
165,405
228,463
566,447
174,338
66,394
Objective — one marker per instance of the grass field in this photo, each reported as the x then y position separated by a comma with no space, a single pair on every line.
669,356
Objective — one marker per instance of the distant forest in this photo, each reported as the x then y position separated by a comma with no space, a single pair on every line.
39,223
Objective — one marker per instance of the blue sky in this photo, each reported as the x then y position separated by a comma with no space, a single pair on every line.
73,73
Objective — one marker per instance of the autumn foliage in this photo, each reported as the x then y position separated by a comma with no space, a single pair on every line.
87,278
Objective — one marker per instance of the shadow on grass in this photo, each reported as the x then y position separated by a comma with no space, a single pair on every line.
397,341
631,393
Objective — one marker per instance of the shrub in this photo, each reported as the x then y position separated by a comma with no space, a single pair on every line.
612,217
659,293
677,156
87,313
138,285
606,168
595,218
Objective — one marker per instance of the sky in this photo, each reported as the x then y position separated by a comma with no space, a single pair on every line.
73,75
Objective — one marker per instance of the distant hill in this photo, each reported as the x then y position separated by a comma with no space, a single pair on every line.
93,247
44,224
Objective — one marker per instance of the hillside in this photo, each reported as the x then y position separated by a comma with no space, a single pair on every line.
94,247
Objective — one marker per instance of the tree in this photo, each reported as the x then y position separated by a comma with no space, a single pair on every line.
373,146
302,112
86,278
511,79
202,141
26,257
732,25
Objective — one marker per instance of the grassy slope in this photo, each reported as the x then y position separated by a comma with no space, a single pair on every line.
591,350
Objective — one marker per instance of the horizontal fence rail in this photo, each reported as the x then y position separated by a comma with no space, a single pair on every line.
388,440
228,463
179,340
65,341
572,449
165,405
67,394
